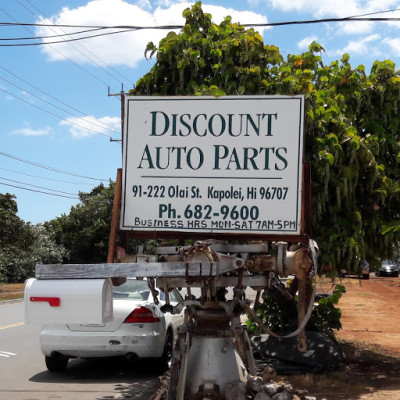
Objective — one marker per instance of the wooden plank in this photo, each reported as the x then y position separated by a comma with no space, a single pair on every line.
116,270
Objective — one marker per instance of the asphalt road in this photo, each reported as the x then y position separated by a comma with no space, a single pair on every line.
24,375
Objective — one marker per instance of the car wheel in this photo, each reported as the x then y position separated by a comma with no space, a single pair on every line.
365,276
165,360
396,274
56,364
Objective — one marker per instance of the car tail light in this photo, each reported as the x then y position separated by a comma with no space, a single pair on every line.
142,315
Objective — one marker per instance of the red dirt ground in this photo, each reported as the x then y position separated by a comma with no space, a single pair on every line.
371,312
370,338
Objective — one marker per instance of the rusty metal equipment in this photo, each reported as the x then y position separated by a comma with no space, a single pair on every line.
213,358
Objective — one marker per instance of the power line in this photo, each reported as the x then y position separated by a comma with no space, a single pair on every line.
35,186
90,26
54,49
47,179
84,53
53,36
69,40
53,105
126,28
136,28
39,191
55,115
109,127
50,168
58,195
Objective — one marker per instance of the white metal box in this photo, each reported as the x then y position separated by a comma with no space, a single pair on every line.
68,301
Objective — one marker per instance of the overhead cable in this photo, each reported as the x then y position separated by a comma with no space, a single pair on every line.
55,115
353,18
35,186
94,200
61,109
125,29
105,125
47,179
85,51
39,191
50,168
56,50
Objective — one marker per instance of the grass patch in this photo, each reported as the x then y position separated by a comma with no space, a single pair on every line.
11,291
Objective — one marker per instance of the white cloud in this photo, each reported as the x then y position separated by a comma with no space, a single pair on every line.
89,126
125,48
357,28
393,43
303,44
365,46
31,132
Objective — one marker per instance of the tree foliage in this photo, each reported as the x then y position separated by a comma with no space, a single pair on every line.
22,245
352,123
280,314
85,231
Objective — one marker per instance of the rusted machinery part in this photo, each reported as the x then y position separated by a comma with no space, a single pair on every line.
301,306
200,252
302,272
154,291
243,345
261,263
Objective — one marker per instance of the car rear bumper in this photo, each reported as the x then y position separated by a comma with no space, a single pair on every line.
104,344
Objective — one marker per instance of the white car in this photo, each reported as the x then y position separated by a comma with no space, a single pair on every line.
139,329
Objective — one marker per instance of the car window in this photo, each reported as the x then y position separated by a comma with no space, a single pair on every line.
174,296
132,289
177,295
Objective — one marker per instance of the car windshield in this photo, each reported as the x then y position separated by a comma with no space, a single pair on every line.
388,262
132,289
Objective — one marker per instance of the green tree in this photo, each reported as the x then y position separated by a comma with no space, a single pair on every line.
15,237
352,125
85,231
44,249
22,245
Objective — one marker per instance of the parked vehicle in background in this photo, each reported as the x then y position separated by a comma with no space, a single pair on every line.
365,269
388,268
139,329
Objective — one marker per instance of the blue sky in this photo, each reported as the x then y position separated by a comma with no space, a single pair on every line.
58,124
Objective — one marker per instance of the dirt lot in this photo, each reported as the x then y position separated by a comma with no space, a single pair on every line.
370,341
371,312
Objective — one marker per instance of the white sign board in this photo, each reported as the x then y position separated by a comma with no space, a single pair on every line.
231,164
